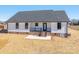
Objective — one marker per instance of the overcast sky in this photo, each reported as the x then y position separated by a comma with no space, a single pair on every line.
7,11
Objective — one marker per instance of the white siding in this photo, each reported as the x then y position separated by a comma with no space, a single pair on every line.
22,26
12,27
52,25
64,27
49,24
62,30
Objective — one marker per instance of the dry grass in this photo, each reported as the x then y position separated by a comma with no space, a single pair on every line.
3,42
19,44
75,27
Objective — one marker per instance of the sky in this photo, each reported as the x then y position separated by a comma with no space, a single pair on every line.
7,11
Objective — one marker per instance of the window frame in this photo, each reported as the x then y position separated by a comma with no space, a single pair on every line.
36,24
17,25
26,27
59,25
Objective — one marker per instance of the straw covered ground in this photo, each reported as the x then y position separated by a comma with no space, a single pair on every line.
13,43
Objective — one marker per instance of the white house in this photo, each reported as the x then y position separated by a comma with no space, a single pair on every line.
40,20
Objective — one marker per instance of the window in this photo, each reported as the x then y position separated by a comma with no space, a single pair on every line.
26,25
58,25
17,25
36,24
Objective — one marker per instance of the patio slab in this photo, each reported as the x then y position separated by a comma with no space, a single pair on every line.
38,37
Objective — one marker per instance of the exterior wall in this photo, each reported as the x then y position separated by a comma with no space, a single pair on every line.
62,30
12,27
49,24
52,25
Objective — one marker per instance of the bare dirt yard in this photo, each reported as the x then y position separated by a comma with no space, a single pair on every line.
13,43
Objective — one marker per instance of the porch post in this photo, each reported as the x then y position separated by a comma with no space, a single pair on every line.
29,26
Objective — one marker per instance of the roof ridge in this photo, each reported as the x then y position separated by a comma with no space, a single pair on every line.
35,10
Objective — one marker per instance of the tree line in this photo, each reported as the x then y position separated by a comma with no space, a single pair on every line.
74,22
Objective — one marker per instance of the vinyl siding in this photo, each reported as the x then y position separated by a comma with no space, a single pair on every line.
12,27
52,25
62,30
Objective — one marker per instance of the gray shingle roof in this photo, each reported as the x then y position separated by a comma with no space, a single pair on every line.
39,16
